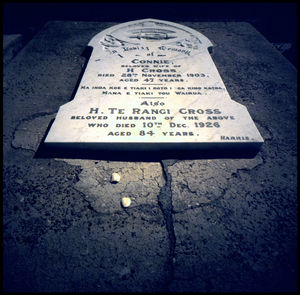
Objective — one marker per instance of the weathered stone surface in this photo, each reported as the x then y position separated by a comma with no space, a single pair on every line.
44,86
233,239
106,255
30,132
142,182
54,233
243,239
235,243
194,183
11,45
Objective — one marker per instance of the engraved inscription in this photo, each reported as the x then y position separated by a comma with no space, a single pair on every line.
152,81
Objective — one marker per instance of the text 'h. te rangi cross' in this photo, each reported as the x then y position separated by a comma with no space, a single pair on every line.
151,85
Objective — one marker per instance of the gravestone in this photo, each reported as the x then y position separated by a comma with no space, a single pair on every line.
152,86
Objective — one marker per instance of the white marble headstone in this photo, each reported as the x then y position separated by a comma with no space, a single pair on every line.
152,85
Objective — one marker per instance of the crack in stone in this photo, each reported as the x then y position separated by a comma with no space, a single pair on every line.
268,136
165,204
197,183
141,183
202,205
23,137
185,185
237,173
34,116
248,170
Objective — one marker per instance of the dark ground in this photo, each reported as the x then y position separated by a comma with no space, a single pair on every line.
196,225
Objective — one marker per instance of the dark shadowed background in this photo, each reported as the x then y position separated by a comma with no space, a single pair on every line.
276,21
209,225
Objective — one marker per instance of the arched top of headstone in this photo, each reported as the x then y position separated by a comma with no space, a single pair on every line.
149,32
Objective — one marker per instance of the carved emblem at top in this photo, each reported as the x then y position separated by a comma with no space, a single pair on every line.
150,31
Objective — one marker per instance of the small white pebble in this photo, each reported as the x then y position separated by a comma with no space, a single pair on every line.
126,201
115,177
